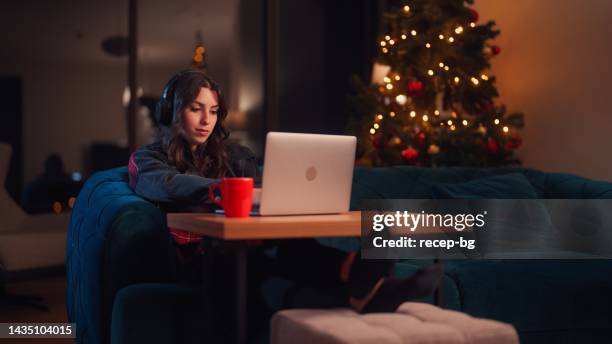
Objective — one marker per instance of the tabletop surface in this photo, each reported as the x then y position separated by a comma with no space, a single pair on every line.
268,227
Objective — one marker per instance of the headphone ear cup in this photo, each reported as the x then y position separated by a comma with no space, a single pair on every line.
164,110
163,113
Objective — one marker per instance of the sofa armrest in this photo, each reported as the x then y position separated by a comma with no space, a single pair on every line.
115,239
138,247
130,245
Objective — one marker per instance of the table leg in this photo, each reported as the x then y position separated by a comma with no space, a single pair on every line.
207,290
439,292
241,293
240,311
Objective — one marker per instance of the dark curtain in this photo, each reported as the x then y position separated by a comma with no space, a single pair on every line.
353,27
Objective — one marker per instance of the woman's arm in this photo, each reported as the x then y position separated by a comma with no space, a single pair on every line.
152,177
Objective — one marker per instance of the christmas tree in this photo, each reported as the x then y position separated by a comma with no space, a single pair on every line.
431,100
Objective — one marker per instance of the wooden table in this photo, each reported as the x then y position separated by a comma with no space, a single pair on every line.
268,227
237,231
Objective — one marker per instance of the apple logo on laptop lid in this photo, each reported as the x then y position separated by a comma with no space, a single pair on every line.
311,173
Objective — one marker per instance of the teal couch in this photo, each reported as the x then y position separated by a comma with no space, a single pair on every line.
120,266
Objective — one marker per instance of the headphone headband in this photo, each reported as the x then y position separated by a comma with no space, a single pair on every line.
164,111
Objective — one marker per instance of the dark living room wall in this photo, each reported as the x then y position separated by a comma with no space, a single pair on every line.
321,44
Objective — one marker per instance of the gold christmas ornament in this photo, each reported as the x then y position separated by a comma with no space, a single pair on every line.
433,149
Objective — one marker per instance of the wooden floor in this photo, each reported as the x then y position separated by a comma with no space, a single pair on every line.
53,290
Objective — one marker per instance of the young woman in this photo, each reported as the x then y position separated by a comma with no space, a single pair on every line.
192,152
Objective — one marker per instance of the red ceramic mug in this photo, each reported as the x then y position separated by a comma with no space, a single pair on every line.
236,196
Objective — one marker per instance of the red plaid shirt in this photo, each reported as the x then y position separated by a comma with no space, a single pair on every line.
183,237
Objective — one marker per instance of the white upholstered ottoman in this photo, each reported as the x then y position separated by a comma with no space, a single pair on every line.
412,323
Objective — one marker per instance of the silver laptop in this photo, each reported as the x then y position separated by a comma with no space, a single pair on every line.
307,174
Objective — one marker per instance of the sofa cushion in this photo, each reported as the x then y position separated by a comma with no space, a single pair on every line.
564,185
505,186
408,182
416,182
566,299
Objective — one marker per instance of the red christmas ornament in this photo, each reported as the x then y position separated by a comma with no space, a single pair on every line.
492,146
487,107
410,154
495,49
421,137
513,144
474,14
415,87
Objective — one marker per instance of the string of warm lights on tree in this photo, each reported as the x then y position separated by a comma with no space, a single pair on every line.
432,102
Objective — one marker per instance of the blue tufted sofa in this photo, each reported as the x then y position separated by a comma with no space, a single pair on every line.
120,266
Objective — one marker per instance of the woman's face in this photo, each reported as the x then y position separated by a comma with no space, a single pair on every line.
200,117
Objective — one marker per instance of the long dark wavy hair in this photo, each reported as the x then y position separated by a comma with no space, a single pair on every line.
210,158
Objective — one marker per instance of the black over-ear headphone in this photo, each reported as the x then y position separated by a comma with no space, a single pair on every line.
164,110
